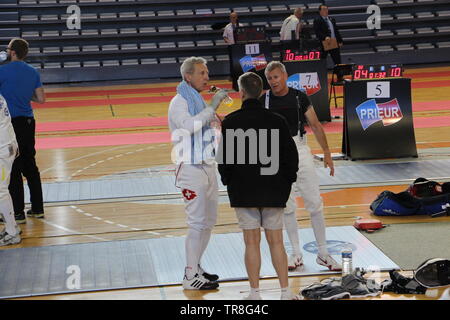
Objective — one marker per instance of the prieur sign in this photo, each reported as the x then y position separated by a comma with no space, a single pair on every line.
369,112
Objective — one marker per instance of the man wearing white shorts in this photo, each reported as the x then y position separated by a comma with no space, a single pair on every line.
258,189
8,152
298,110
189,122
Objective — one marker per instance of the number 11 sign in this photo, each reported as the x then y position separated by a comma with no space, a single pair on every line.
252,48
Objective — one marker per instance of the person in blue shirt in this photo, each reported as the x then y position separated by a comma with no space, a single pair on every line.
20,84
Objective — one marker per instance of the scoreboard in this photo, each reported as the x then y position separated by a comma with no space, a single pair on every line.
366,72
290,55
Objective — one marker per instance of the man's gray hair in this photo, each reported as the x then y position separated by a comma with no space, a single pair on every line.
252,84
188,65
274,65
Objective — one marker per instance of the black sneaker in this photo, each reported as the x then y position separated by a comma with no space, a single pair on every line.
20,218
402,285
39,215
208,276
198,282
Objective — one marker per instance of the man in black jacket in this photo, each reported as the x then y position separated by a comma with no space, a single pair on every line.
325,28
258,162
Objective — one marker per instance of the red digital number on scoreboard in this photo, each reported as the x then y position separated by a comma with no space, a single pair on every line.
361,72
396,72
291,56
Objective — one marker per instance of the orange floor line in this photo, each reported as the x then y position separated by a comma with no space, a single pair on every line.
353,196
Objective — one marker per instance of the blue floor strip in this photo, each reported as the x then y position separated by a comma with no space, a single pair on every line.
157,262
147,185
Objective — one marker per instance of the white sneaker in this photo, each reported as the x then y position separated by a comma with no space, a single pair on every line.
329,262
294,261
3,232
9,240
198,282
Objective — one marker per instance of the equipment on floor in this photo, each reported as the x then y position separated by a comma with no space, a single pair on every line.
433,273
402,285
445,295
368,225
352,285
423,197
327,289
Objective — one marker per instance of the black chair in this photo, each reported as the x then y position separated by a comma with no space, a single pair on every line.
339,71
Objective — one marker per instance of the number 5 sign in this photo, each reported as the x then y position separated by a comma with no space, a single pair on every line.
378,89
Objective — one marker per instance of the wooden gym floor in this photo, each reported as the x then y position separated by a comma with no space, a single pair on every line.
70,147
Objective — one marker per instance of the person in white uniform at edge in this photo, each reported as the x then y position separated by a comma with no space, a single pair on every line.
280,96
8,152
292,24
228,32
190,119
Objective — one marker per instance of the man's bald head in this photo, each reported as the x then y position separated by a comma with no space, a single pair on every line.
298,12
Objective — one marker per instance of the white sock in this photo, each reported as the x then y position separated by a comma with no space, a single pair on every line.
290,224
205,236
193,248
286,292
254,293
318,225
6,208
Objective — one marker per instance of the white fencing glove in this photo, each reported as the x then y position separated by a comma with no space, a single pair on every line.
217,99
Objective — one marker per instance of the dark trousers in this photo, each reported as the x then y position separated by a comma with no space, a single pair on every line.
335,55
25,164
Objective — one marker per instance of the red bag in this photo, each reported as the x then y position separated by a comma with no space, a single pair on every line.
368,225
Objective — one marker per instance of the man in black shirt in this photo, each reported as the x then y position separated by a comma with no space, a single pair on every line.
258,190
296,107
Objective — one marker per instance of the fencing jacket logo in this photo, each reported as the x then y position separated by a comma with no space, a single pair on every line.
258,63
369,112
307,82
189,194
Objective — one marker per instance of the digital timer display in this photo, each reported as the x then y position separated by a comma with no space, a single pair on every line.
364,72
289,55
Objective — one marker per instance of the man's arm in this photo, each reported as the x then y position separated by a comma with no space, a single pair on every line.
283,29
226,35
179,114
38,95
298,29
321,138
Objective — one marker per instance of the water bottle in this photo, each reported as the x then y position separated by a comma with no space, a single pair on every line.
3,56
228,102
347,266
